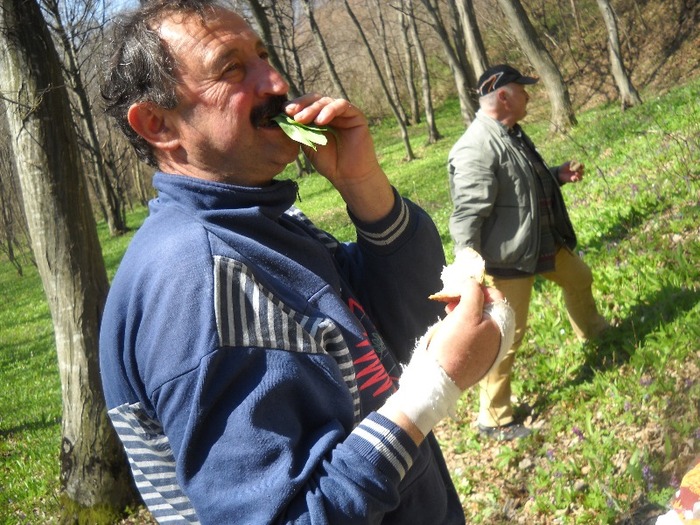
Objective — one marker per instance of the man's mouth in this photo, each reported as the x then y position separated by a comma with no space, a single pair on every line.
262,115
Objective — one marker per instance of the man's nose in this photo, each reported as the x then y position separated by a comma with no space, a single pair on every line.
270,81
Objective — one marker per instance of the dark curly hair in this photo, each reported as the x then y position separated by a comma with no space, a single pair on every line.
141,69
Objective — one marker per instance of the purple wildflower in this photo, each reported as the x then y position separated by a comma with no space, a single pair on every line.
578,433
648,476
645,381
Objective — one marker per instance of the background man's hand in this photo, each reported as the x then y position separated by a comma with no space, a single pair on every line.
571,171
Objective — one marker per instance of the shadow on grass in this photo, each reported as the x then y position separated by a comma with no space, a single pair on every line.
626,225
30,426
617,345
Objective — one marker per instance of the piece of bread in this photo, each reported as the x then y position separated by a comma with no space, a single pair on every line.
468,264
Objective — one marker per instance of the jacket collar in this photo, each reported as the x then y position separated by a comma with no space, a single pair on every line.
191,192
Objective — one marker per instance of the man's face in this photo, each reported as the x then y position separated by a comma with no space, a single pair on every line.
227,93
517,101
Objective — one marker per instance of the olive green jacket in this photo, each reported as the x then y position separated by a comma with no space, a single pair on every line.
495,198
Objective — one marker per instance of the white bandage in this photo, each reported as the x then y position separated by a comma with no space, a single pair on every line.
504,317
426,393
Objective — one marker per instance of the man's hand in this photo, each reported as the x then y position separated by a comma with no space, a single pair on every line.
571,171
349,160
460,351
466,342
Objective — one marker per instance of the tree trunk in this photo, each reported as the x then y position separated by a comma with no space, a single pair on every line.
628,94
266,34
283,24
562,112
320,42
94,471
458,40
392,104
472,35
433,133
104,190
13,226
574,13
465,90
388,70
408,65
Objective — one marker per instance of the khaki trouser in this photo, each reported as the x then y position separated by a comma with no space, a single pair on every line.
575,279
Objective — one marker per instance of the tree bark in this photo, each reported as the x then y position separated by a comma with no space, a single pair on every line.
13,225
94,471
562,114
628,94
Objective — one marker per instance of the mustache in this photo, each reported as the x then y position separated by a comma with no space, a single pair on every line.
262,115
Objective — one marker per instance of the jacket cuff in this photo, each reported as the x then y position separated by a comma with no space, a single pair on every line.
384,444
388,231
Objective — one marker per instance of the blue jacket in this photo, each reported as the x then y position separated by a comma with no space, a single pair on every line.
242,361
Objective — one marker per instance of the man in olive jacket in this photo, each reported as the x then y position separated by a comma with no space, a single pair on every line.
508,207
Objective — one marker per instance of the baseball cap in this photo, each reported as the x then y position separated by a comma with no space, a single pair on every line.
498,76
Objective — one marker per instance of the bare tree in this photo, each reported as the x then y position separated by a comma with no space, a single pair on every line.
433,133
321,43
392,103
261,18
409,67
628,94
390,77
465,88
562,115
472,35
68,36
94,470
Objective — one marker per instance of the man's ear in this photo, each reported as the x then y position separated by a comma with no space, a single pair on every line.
152,123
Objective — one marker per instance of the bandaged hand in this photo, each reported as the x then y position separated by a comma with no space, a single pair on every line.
453,355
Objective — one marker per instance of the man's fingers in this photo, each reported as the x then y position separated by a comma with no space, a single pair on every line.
491,295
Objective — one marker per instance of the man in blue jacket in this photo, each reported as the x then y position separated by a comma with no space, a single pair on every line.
250,361
509,208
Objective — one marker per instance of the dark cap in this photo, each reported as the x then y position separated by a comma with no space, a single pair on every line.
498,76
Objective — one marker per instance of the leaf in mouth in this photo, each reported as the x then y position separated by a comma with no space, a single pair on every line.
307,134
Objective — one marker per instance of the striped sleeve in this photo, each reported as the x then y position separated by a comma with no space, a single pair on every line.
152,464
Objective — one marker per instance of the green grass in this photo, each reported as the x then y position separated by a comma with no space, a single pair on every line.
617,421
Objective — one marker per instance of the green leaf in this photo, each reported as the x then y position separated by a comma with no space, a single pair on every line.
307,134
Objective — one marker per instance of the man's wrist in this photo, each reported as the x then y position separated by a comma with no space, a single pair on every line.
426,394
369,200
